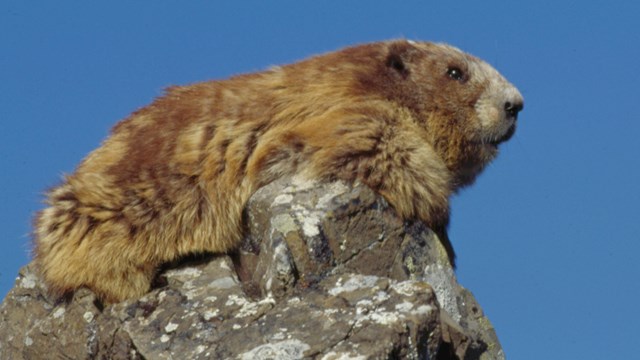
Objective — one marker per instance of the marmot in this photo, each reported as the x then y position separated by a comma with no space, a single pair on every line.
414,121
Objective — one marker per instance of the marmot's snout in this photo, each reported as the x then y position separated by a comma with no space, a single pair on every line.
513,107
498,110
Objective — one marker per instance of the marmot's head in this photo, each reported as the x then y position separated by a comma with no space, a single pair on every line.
466,107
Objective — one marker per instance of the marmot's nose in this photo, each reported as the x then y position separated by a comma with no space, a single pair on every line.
513,108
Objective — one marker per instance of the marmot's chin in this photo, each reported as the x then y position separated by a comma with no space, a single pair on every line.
505,137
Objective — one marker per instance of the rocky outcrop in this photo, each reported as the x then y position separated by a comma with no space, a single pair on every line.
327,271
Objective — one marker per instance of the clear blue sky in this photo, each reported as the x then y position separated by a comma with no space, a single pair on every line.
548,238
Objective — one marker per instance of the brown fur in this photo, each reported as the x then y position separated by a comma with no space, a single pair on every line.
174,177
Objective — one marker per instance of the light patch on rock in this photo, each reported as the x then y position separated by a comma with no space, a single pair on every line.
29,281
200,349
408,307
293,300
188,272
354,282
301,182
224,266
192,293
88,316
248,308
28,341
443,281
379,316
423,310
406,288
171,327
332,355
210,314
310,220
223,283
282,259
283,223
282,267
364,306
328,312
58,313
282,199
404,307
282,350
268,300
164,338
335,189
234,300
343,244
310,225
381,296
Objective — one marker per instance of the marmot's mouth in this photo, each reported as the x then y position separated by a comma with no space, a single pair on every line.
506,136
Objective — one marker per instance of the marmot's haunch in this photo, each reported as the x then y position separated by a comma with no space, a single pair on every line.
414,121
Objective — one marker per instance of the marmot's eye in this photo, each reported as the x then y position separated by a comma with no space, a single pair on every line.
455,73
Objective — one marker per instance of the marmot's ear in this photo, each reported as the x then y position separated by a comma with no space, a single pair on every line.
398,57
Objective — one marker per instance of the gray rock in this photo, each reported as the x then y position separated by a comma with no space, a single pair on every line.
326,271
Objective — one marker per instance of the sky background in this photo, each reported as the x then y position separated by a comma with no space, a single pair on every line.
548,237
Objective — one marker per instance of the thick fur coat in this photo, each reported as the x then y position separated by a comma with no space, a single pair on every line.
413,121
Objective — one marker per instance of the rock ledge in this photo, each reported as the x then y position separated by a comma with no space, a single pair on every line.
327,271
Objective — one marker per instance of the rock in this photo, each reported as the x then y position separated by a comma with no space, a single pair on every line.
326,271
